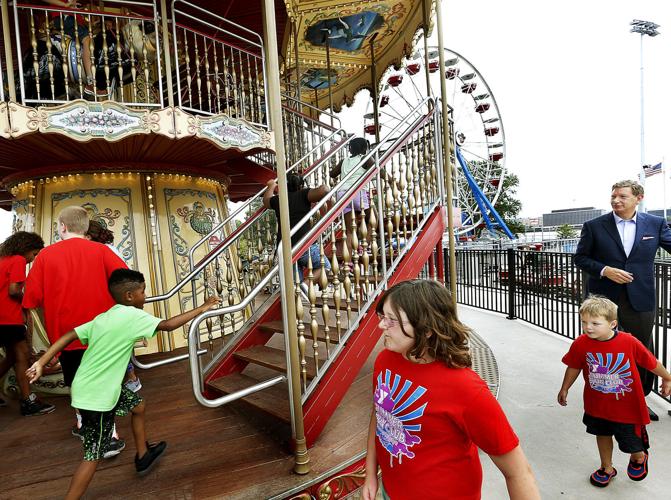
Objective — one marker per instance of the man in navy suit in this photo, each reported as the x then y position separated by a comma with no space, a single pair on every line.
618,250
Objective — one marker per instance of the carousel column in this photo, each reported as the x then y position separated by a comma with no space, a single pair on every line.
9,61
447,161
166,53
302,460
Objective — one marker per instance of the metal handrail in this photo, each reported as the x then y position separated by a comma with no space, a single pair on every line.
194,328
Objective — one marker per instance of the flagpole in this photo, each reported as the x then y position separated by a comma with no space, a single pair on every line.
664,187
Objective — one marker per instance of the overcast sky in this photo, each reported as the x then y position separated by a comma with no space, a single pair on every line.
566,76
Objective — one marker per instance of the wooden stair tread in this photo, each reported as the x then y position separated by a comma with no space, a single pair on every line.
275,359
273,400
277,326
343,305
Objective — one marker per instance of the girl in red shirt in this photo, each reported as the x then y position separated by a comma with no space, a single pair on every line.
431,412
15,253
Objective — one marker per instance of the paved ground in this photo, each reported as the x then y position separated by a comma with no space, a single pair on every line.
562,455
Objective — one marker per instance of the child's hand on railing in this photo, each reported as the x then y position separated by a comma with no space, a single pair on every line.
210,303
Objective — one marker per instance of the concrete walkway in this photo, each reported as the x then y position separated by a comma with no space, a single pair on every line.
561,453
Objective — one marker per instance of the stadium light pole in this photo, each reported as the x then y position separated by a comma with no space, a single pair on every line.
643,28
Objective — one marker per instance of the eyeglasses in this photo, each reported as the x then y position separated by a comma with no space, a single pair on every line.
389,321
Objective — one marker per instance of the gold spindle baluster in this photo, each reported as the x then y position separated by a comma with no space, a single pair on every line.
217,84
106,58
314,326
389,207
145,64
241,82
65,63
418,191
208,321
374,247
258,75
229,286
411,191
301,335
208,81
187,58
335,269
403,186
347,283
227,86
363,230
196,58
78,57
92,52
119,55
355,255
323,283
397,202
33,43
236,101
50,58
253,115
133,71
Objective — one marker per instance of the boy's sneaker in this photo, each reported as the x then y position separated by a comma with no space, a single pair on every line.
601,478
638,471
116,446
142,465
77,432
32,406
134,385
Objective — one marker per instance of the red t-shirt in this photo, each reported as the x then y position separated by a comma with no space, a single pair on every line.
68,281
613,389
12,270
431,420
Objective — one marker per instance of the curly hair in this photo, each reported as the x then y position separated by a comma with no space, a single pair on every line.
433,316
97,232
21,243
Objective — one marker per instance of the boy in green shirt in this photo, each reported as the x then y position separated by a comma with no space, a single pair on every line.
97,390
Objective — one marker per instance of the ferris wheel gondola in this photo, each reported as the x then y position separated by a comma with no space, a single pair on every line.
478,128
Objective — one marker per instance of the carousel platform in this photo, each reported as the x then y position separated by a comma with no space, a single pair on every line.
220,453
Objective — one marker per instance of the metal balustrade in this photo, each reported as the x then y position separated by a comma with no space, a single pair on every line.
220,65
544,289
70,53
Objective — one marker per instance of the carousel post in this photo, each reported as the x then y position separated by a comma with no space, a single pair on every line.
373,79
302,460
447,161
9,61
328,75
425,16
166,53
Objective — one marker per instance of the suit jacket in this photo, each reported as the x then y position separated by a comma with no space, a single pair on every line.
600,245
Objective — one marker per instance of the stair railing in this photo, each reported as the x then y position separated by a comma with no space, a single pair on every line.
417,140
406,184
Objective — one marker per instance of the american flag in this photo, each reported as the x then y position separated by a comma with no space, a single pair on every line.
650,170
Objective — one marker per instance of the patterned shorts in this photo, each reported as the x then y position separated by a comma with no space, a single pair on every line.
97,426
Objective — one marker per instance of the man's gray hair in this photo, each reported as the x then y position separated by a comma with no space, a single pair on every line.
636,188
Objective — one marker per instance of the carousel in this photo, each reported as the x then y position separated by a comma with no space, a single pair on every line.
165,119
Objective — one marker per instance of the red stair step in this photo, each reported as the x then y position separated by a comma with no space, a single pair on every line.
275,359
278,327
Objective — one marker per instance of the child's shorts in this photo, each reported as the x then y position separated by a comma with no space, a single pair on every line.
97,426
630,438
11,334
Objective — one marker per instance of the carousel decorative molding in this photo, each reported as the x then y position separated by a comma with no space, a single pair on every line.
5,128
228,132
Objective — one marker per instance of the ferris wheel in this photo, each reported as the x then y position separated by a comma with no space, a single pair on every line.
477,127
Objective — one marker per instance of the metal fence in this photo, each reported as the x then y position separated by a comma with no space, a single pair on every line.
544,289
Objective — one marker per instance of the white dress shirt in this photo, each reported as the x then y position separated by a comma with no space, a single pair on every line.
627,230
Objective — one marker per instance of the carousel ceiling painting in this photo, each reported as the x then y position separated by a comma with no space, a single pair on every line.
353,33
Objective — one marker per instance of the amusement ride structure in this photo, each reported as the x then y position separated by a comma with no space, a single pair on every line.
154,114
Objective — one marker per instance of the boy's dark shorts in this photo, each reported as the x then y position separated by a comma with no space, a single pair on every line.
631,438
11,334
97,426
70,361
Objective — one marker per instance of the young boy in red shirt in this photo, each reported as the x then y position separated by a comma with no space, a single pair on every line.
68,281
613,396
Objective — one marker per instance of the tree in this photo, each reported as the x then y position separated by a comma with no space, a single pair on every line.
508,206
565,232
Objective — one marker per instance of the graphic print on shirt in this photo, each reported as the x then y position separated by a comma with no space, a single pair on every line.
611,376
396,407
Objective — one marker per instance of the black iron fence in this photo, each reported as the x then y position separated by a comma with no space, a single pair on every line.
544,289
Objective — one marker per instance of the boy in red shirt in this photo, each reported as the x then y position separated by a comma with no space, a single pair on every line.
15,253
613,396
68,281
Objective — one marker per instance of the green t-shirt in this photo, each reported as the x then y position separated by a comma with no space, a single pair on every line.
110,337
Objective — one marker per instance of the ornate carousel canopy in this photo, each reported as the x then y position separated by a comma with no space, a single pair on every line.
354,32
